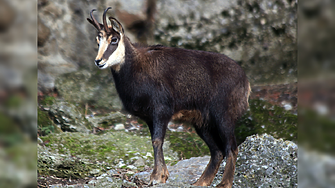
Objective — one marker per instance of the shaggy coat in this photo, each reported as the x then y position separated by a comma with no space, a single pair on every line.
159,84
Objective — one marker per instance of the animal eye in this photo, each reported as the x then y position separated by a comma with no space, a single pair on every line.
114,40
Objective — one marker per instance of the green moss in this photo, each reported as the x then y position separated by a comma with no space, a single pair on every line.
10,132
187,144
48,100
316,131
264,117
106,149
6,125
45,124
114,118
69,168
14,101
23,155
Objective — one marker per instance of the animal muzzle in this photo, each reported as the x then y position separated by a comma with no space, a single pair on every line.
97,63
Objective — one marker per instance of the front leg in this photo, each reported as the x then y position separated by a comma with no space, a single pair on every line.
157,129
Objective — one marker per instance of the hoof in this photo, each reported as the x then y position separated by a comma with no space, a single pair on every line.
159,177
200,184
225,185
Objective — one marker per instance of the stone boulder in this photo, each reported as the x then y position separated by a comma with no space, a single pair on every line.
264,161
67,117
83,87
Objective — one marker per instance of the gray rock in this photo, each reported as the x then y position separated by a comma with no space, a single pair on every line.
119,126
84,87
316,169
67,40
252,32
68,117
264,161
106,120
66,47
188,171
95,171
182,174
139,162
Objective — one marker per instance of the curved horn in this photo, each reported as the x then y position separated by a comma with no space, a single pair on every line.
119,24
97,25
104,19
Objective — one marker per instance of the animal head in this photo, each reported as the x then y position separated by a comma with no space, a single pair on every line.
110,40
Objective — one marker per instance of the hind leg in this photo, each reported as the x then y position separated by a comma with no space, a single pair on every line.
231,152
210,136
228,175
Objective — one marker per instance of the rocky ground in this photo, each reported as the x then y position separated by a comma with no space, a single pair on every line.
263,161
101,146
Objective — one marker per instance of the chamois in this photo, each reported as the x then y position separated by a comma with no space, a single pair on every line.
159,84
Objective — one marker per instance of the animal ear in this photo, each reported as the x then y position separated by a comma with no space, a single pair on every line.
116,24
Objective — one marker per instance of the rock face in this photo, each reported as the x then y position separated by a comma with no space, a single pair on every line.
259,34
66,40
86,87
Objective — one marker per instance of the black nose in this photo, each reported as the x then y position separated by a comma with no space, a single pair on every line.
97,62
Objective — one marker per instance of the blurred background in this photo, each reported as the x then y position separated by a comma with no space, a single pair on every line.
18,93
316,62
49,83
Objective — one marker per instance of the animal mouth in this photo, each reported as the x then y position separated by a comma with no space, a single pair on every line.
100,66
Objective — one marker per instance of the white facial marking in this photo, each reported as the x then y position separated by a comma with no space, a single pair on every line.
117,56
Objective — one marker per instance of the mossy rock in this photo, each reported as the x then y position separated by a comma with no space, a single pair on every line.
108,150
107,120
68,117
45,124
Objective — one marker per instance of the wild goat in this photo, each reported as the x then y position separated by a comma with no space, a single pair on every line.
159,84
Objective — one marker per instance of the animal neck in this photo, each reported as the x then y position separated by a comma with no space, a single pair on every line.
132,55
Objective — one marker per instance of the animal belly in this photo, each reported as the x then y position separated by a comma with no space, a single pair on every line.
188,116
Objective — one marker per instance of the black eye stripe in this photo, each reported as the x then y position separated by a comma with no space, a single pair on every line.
109,51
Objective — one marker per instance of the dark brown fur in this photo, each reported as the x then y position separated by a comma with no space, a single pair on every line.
208,90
